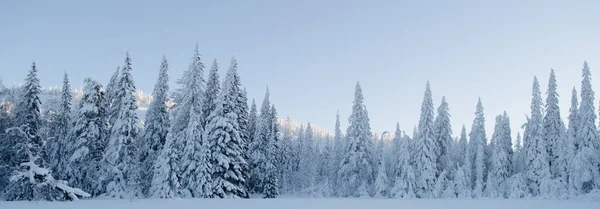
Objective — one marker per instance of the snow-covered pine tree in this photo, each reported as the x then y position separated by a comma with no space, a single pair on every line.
585,163
111,102
289,160
325,177
57,146
307,164
271,180
121,157
404,175
381,181
462,182
241,109
461,150
226,143
213,87
30,179
27,141
156,127
587,134
553,127
356,170
518,156
537,164
86,141
443,137
256,150
566,145
188,127
165,177
338,152
426,148
479,139
252,121
501,167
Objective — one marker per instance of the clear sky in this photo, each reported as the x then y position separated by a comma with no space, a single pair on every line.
311,53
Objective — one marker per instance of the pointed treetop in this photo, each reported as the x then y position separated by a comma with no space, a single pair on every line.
234,63
574,96
33,68
215,66
358,95
267,93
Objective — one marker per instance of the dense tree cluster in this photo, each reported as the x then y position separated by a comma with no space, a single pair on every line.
205,141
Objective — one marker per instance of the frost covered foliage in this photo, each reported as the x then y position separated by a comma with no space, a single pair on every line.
30,179
206,142
156,127
121,157
188,129
477,155
357,168
426,149
86,147
501,166
223,133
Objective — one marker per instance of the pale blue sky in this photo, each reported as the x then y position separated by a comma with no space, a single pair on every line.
311,53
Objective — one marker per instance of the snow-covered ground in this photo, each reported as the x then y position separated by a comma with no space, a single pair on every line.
288,203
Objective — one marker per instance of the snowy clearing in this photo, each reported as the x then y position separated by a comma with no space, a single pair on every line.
304,203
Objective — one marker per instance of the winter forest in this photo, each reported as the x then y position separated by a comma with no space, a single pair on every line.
205,139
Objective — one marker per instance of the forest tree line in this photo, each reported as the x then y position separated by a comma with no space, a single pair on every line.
206,140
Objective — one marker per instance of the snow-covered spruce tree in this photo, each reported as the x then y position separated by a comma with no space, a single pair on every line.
156,127
30,179
587,135
241,109
501,167
57,146
223,134
325,173
393,152
518,156
479,139
404,175
461,149
381,181
566,145
121,157
252,121
111,102
462,188
553,127
256,150
187,128
338,153
86,141
271,177
213,87
165,177
426,148
356,170
297,174
307,165
289,162
537,164
443,137
584,169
